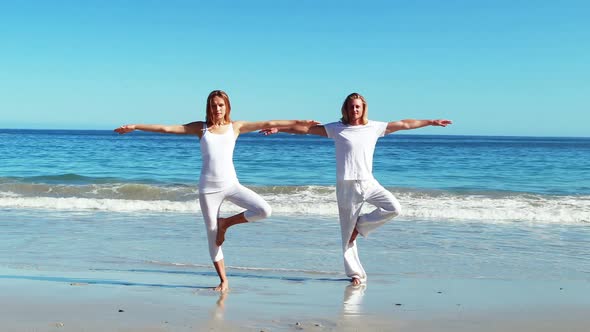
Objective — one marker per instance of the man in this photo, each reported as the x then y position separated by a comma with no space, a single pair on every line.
355,138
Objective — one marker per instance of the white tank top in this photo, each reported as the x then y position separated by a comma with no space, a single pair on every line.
217,151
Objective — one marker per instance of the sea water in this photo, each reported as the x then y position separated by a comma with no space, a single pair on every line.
83,202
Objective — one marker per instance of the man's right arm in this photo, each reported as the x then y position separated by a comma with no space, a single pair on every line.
318,130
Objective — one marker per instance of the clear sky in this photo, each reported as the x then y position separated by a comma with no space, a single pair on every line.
493,67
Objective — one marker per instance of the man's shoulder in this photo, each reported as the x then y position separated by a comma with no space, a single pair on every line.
337,125
376,123
334,124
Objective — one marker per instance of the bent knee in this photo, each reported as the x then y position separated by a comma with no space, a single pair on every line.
267,212
395,210
264,212
261,212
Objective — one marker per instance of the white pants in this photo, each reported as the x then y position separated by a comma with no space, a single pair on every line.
351,196
256,209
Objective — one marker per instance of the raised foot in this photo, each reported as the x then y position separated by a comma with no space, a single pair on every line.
221,229
355,282
355,233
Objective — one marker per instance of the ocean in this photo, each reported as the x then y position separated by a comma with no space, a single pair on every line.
76,202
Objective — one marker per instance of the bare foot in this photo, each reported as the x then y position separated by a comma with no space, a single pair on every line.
222,287
355,282
221,229
355,233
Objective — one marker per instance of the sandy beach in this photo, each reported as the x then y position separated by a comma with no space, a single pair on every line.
117,301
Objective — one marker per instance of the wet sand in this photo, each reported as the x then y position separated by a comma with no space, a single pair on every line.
119,301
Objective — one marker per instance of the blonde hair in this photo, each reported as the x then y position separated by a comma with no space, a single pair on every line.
209,110
351,97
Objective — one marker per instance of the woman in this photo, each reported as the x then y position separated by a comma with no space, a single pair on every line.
355,138
218,181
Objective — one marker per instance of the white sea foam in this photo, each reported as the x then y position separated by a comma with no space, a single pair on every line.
100,204
8,194
321,201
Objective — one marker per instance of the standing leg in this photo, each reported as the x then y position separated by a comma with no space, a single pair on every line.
256,209
223,282
210,204
350,202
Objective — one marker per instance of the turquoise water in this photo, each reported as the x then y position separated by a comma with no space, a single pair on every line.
474,207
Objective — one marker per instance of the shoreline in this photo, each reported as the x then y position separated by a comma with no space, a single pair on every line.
127,302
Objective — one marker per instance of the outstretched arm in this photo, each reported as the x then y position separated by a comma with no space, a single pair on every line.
246,127
319,130
414,124
193,128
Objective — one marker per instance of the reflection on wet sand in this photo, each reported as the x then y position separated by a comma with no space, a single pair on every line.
219,308
353,299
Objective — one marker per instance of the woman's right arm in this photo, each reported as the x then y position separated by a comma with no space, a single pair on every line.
193,128
319,130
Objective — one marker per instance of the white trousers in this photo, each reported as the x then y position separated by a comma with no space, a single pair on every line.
256,209
351,196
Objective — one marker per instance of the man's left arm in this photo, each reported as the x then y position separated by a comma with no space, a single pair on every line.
408,124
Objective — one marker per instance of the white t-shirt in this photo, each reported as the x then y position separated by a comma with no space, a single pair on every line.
354,148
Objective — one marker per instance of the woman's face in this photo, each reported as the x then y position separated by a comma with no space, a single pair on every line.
217,109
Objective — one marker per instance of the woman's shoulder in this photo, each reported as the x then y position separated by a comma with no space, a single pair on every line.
195,124
237,124
195,127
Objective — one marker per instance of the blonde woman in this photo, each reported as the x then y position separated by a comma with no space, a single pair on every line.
218,181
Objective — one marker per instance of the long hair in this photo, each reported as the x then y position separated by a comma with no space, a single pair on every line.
209,110
350,97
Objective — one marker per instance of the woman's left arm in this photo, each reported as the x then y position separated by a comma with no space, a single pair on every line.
245,127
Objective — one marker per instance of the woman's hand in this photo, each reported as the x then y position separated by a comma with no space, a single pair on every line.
125,129
269,131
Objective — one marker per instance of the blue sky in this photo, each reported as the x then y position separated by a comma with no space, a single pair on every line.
493,67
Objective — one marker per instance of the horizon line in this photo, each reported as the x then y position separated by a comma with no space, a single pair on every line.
399,133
